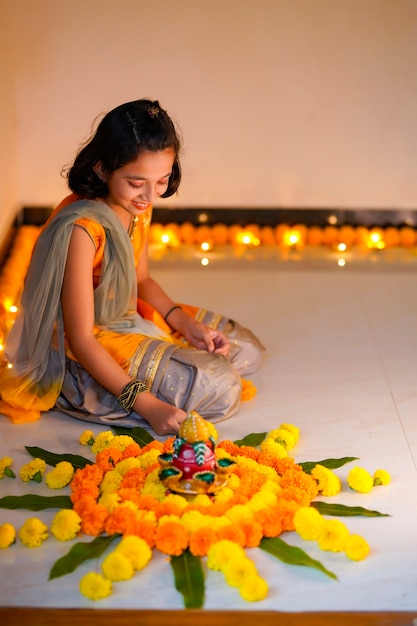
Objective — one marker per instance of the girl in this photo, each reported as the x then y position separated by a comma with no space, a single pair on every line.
97,337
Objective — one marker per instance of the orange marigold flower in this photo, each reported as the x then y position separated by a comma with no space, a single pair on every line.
270,522
145,529
171,538
295,478
170,508
248,390
84,490
285,511
250,482
108,458
201,540
132,450
232,532
134,478
93,519
129,494
81,501
229,446
249,451
253,533
295,494
169,444
280,465
153,445
118,520
149,503
88,474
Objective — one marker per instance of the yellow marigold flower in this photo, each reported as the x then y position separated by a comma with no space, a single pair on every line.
102,441
177,500
222,552
217,523
7,535
356,547
66,525
283,437
333,535
116,566
308,523
60,476
111,482
33,470
294,430
246,463
271,485
221,453
153,487
128,504
125,465
201,499
239,513
224,495
253,589
235,572
87,438
121,442
271,446
149,458
136,550
234,482
328,483
360,480
381,477
109,500
5,469
95,586
33,532
261,500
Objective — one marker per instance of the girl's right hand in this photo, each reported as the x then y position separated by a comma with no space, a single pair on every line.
164,418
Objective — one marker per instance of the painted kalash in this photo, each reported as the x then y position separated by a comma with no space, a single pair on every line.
192,467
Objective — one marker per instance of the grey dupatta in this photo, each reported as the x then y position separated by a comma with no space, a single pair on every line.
36,344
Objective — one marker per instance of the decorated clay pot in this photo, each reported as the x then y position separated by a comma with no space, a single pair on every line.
186,459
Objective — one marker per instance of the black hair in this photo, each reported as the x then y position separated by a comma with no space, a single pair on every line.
121,136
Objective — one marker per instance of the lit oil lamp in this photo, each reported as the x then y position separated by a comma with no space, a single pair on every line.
293,239
376,240
247,238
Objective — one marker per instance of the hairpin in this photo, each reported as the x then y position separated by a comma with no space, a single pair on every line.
153,111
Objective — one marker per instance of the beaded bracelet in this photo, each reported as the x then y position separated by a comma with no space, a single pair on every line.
129,394
176,306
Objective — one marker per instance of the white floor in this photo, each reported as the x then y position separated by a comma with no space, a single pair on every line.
341,364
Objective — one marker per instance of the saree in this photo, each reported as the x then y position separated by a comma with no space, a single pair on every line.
40,375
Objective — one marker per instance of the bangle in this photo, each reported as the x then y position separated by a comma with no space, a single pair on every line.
176,306
129,394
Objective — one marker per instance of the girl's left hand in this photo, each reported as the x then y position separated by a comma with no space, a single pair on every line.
203,337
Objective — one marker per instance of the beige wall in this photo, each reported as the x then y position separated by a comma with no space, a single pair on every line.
281,102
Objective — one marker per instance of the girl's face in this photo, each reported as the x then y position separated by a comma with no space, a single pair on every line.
138,184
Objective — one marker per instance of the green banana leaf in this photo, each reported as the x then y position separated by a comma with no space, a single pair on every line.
32,502
254,439
329,463
79,553
341,510
51,458
291,554
189,579
140,435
